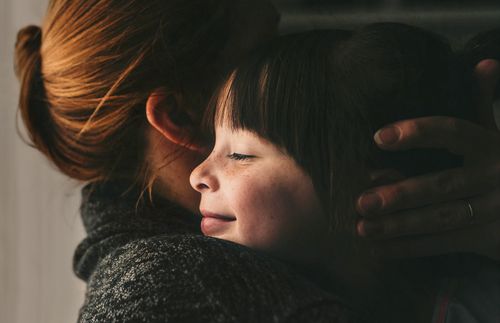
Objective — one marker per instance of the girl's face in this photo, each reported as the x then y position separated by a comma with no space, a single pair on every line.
254,194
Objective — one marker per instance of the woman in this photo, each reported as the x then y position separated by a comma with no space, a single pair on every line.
112,92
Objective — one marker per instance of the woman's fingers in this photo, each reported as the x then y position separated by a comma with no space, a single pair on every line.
428,189
447,216
455,135
442,217
479,147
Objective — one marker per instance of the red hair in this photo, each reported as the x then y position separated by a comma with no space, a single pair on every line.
87,72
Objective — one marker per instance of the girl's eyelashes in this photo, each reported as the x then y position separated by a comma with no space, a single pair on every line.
236,156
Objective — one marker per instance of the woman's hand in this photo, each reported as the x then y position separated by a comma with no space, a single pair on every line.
456,210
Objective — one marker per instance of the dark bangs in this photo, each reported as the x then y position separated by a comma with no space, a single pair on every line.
281,91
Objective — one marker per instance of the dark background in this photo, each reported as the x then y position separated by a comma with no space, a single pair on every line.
457,19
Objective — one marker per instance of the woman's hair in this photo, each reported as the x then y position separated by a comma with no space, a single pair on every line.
321,95
87,72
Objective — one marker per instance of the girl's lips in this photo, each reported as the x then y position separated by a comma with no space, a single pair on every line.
213,224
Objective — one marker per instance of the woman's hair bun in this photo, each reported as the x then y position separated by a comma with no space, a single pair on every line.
32,103
29,40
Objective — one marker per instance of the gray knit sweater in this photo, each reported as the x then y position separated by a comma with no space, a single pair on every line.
145,263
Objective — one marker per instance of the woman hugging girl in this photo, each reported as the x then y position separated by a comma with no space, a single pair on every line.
294,127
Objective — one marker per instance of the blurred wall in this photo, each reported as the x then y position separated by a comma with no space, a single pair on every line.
456,19
39,220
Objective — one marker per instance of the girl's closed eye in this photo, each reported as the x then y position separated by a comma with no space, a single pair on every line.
238,156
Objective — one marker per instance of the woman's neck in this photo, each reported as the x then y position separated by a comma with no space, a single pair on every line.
171,165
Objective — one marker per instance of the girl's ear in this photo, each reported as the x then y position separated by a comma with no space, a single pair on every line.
487,72
164,111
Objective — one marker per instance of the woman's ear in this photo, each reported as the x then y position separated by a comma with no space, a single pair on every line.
487,72
165,112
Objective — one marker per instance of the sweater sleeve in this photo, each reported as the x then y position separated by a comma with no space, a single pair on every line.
191,278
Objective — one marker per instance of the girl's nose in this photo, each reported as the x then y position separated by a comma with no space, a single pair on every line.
202,178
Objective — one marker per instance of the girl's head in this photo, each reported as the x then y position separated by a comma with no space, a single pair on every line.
294,128
87,73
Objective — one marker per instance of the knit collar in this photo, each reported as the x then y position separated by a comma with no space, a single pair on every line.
121,201
113,215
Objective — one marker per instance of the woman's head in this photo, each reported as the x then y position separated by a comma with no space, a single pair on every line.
318,97
87,73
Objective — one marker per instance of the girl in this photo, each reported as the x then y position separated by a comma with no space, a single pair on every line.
293,129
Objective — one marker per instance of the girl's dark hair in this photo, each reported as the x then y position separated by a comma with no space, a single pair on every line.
321,95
